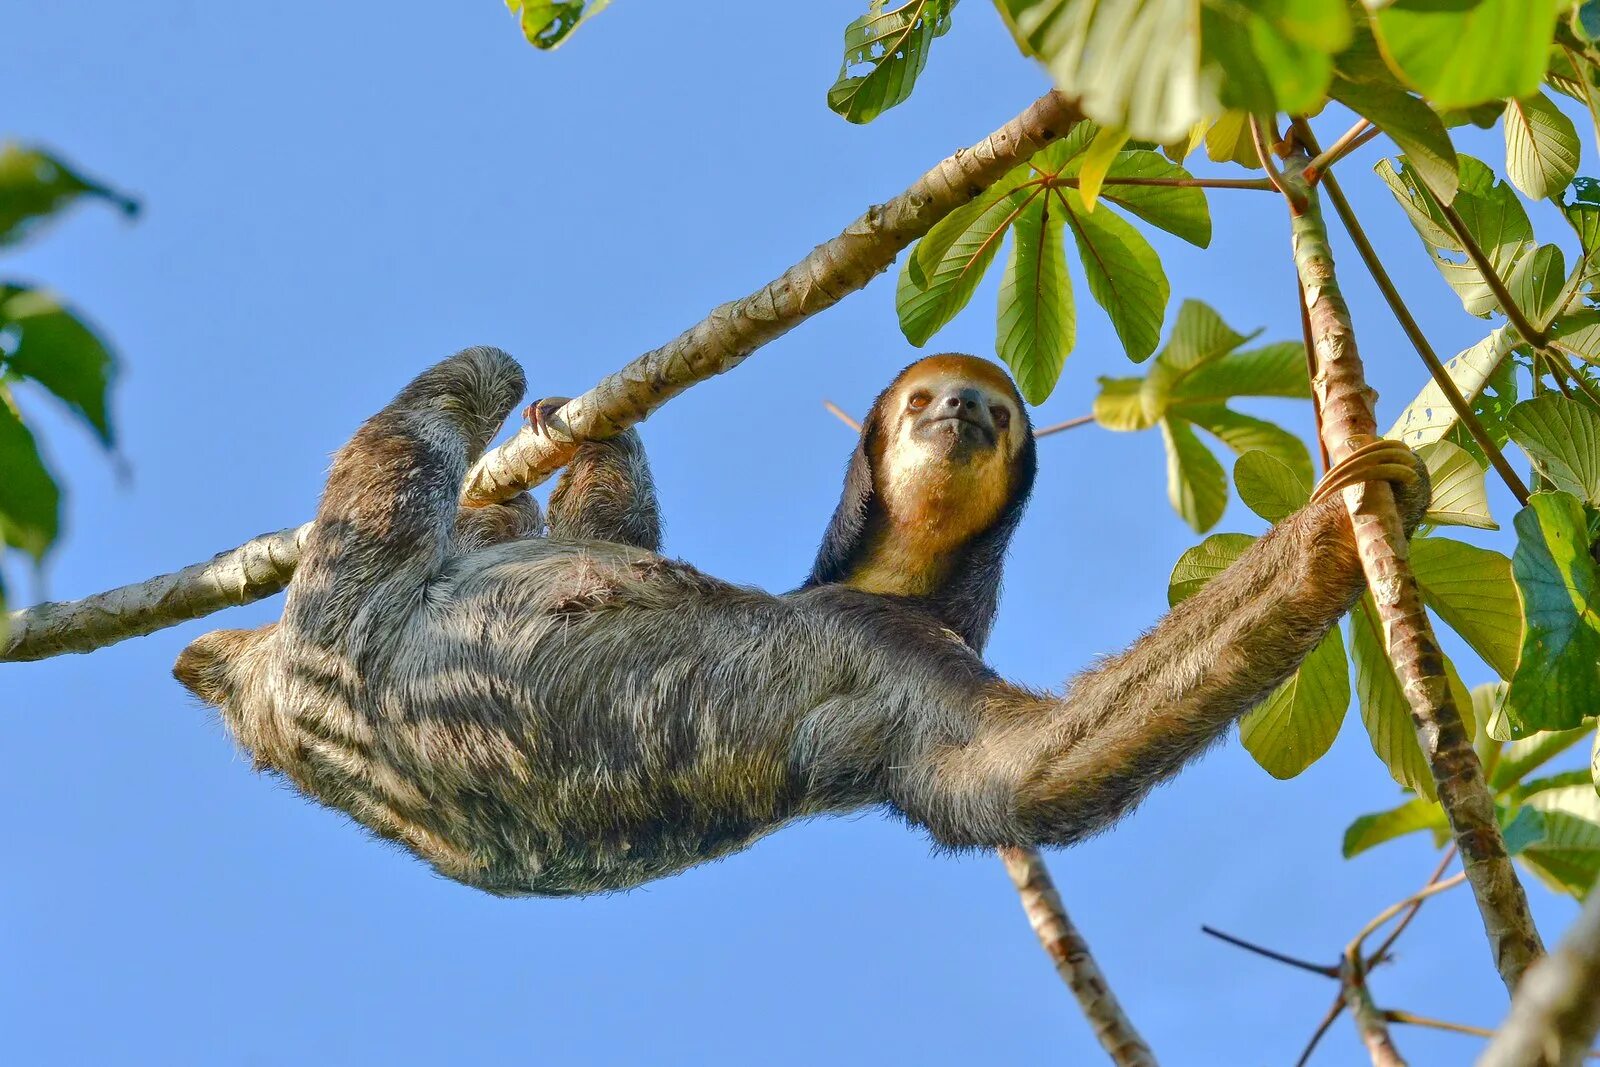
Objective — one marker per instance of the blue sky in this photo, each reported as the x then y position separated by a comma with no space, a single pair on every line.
338,195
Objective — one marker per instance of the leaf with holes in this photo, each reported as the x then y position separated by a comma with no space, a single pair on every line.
1460,497
1557,681
1036,319
1269,487
884,53
1413,125
1430,417
1471,590
1562,438
1541,147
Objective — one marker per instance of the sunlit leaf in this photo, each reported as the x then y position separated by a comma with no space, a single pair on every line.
1204,562
1269,487
1562,438
1413,125
1472,591
1271,370
1460,53
1228,140
1521,758
925,259
1557,681
548,25
1568,857
1180,211
1096,162
1536,281
1460,497
1244,433
1430,417
1419,813
1196,483
1120,405
954,277
1541,147
1123,271
1036,319
1297,724
884,52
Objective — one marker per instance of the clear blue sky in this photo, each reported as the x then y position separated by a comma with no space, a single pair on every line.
338,195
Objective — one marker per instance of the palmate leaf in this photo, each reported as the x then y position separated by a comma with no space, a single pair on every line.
548,25
1541,147
1123,271
1557,681
30,503
1413,125
1272,370
1095,161
1567,857
1296,725
1228,140
40,339
1471,589
953,277
1245,433
1475,372
1419,813
1196,484
35,185
1180,211
1460,497
1562,438
1269,487
884,53
1037,322
1536,283
1458,54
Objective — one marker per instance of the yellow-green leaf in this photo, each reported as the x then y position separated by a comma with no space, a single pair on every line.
1460,497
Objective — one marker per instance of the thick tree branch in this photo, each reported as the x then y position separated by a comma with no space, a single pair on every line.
1347,423
1077,967
718,343
1556,1013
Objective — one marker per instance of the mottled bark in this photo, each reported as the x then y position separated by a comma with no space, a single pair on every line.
1346,405
1556,1013
718,343
1070,953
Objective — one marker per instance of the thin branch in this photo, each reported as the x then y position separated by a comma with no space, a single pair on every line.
843,416
718,343
1346,143
1264,154
1354,948
1070,424
1381,953
1271,954
1407,1018
1556,1012
1409,640
1335,1010
1070,952
1413,331
1520,322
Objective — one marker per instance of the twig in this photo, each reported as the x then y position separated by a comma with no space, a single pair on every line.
1346,143
716,344
843,416
1333,1013
1381,952
1070,952
1354,948
1260,950
1413,331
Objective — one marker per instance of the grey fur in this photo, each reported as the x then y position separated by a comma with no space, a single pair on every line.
555,716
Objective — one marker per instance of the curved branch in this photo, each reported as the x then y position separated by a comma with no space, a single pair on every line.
716,344
1556,1013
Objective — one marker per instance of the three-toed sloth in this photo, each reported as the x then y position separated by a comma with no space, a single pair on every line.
574,713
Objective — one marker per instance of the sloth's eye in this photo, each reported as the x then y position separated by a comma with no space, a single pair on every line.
918,401
1002,417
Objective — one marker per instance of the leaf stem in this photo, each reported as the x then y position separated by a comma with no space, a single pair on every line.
1297,200
1348,142
1180,183
1530,333
1379,953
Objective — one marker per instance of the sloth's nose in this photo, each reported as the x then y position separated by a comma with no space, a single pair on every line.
967,402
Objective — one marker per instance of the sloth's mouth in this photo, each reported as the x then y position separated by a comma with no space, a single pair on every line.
965,427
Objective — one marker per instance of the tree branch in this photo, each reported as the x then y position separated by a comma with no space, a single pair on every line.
716,344
1348,422
1077,967
1556,1013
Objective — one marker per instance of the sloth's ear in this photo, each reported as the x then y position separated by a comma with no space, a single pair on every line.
208,667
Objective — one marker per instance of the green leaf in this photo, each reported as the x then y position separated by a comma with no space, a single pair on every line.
1384,710
1562,438
1413,125
1120,405
1204,562
1536,282
1523,757
1541,147
30,503
1271,370
1458,53
1123,271
934,247
1180,211
1489,709
884,52
1196,483
1578,335
1575,75
1430,417
954,276
1523,830
1460,497
1269,487
1557,681
1096,161
1037,322
35,185
40,339
1594,753
1370,830
1243,433
548,25
1297,724
1568,857
1198,336
1472,591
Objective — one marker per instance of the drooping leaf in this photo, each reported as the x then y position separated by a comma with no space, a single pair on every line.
1297,724
548,25
1562,438
1541,147
1413,125
1557,681
42,340
1196,483
1460,497
1461,52
1269,487
1419,813
1536,282
884,53
1096,161
1037,322
1489,709
1243,433
1204,562
1123,271
1228,140
954,276
1578,334
1472,591
30,503
1575,75
35,185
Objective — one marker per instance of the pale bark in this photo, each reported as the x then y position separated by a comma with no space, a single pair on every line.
1346,405
718,343
1070,953
1370,1022
1556,1013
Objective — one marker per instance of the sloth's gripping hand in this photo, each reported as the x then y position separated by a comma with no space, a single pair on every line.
606,493
1381,459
